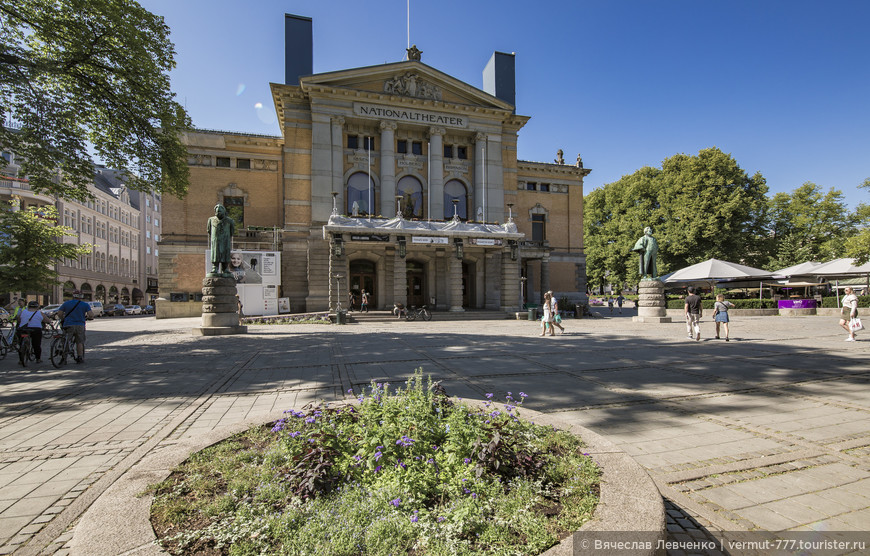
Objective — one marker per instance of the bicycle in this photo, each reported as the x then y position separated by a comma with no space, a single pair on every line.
25,348
422,312
8,341
62,346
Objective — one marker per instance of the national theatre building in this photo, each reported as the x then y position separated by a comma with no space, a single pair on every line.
396,179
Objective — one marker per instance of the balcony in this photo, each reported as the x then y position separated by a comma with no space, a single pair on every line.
20,187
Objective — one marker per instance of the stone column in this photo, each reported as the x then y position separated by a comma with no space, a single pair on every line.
337,171
455,270
436,172
510,282
651,305
388,168
545,275
400,280
220,308
479,165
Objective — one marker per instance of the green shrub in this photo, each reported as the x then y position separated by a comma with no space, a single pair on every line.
831,302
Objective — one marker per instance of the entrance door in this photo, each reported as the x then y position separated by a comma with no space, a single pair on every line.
362,277
467,285
416,275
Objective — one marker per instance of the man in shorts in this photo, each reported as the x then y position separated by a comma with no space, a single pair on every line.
693,315
72,315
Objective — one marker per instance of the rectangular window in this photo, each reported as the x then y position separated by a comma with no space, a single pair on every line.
448,151
236,210
417,147
156,222
222,162
156,237
369,143
148,218
148,251
462,153
544,187
531,186
243,163
352,142
402,146
148,202
538,227
148,234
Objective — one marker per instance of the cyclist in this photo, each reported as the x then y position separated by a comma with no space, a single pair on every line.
72,315
30,320
22,304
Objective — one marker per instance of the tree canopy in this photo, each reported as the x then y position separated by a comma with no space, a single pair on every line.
31,243
90,76
698,206
858,247
808,225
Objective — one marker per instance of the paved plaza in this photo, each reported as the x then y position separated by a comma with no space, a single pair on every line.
768,431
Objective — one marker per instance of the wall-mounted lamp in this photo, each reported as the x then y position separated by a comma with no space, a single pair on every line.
514,249
335,203
511,213
457,246
337,246
403,247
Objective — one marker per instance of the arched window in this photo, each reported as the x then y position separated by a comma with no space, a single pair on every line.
411,191
455,189
358,192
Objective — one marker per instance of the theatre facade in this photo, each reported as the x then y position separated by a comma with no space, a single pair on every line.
396,179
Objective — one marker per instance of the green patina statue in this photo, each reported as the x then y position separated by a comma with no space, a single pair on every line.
220,229
647,247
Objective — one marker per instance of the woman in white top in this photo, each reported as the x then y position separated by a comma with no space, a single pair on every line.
850,301
30,320
548,318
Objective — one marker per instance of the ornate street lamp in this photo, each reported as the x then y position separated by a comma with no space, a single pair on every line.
337,246
403,248
457,245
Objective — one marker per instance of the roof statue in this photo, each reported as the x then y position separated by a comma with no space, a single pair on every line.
414,53
560,157
579,162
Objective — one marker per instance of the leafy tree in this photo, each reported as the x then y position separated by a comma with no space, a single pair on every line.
808,225
858,247
699,207
82,75
30,243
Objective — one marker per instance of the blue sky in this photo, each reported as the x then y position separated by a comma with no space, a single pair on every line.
782,85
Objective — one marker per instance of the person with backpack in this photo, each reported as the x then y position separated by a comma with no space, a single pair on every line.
30,320
72,315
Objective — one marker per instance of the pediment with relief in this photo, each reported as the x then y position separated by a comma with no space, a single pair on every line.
408,79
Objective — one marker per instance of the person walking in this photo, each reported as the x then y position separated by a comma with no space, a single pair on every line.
364,302
693,315
850,303
72,315
547,320
619,301
557,317
350,301
30,320
610,303
720,314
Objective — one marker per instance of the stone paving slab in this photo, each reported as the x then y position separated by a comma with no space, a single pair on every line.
770,430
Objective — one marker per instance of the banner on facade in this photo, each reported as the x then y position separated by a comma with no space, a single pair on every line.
429,240
486,242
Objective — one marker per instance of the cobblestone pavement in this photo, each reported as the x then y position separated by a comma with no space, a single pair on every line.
768,431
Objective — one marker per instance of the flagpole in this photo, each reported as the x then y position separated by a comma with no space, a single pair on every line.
369,172
429,178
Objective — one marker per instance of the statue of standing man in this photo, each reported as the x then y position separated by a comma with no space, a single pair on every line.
647,247
220,229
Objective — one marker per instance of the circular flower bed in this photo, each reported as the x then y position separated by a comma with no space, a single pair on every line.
403,471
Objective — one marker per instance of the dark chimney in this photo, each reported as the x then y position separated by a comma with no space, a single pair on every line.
298,48
499,77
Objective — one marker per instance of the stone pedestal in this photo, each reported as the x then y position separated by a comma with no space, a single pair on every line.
651,306
220,308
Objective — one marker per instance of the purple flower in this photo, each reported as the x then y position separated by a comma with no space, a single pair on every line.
440,519
310,420
378,468
294,434
404,441
396,502
489,396
430,460
414,517
350,390
466,461
378,455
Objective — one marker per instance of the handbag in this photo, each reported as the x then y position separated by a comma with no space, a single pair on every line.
559,318
855,324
